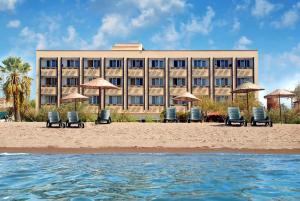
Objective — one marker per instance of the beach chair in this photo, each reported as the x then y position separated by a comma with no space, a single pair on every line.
234,116
103,117
170,115
53,118
4,116
195,115
259,116
73,118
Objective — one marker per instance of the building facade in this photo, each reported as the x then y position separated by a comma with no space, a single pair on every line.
147,79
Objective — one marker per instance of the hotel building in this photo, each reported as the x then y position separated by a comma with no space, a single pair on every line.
147,79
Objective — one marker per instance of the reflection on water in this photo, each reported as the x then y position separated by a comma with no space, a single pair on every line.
149,177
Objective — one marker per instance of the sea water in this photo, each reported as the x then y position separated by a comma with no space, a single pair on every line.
213,176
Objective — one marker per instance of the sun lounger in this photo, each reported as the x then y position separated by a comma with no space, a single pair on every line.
53,118
73,118
170,115
195,115
234,116
4,116
259,116
103,117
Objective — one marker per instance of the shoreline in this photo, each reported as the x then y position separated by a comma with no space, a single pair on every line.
178,150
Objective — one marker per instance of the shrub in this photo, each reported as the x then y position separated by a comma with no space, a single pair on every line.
182,116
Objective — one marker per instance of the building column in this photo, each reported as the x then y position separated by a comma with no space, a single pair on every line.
146,83
211,78
189,79
233,77
38,84
167,91
59,80
81,74
102,91
125,84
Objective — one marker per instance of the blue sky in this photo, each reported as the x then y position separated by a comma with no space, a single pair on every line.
272,27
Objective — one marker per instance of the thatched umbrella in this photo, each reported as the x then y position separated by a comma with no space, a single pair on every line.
187,96
76,97
246,88
280,93
99,83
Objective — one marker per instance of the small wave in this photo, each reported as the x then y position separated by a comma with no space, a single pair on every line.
12,154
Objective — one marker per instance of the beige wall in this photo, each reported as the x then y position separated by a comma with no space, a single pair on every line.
211,73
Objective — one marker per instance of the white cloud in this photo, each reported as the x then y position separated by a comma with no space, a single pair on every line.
289,18
236,25
242,43
202,26
169,38
71,35
243,5
8,4
143,18
32,37
262,8
13,24
161,5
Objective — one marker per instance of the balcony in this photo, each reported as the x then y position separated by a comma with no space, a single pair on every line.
156,108
136,109
156,72
113,72
244,72
178,73
114,108
223,91
49,90
202,91
68,90
177,91
92,72
156,91
135,73
48,72
90,92
113,92
132,90
200,72
70,72
222,72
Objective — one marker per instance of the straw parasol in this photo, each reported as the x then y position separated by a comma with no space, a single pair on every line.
74,96
187,96
99,83
280,93
246,88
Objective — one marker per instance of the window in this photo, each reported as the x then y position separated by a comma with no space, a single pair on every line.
179,63
157,82
71,63
114,63
244,63
94,100
177,82
200,82
156,100
136,82
115,81
200,63
222,98
241,80
114,100
50,99
136,63
223,82
136,100
157,63
72,81
91,78
51,82
222,63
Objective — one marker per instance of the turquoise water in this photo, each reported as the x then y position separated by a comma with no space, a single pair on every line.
149,177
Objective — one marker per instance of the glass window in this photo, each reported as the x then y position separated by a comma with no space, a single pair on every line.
136,100
200,82
223,82
199,63
177,82
157,63
179,63
157,82
244,63
114,100
222,63
222,98
94,100
50,99
136,81
156,100
136,63
177,102
115,81
51,82
241,80
114,63
72,81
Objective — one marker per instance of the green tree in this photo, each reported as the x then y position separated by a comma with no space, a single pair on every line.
17,84
297,91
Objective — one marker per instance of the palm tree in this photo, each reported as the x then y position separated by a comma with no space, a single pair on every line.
16,87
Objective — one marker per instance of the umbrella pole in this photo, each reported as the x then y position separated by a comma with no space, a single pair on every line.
75,105
99,99
280,109
248,102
